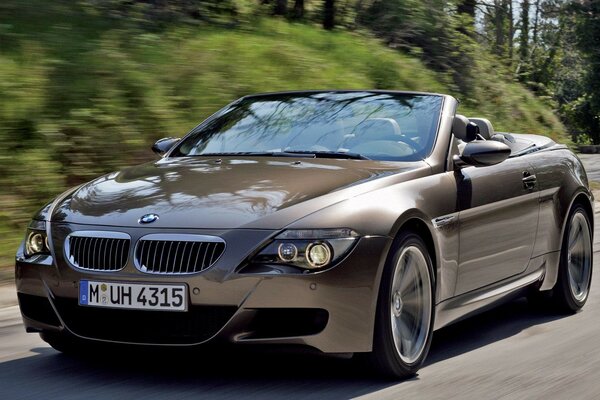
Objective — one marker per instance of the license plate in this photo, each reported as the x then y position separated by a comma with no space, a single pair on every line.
133,296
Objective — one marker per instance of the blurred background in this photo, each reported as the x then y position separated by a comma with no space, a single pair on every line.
86,86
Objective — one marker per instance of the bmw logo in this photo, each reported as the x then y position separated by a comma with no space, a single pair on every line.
148,218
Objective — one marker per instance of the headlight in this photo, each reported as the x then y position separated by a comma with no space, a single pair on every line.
318,255
36,240
309,249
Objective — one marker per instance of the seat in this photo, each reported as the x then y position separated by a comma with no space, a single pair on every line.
380,136
323,136
486,130
379,129
374,129
463,129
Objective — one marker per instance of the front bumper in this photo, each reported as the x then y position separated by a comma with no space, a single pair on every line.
332,311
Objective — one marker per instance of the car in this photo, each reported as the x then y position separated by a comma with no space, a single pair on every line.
342,221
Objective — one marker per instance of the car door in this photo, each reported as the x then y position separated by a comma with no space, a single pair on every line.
498,216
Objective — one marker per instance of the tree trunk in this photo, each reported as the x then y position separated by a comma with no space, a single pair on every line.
524,39
329,15
299,9
467,7
536,22
499,27
280,7
511,31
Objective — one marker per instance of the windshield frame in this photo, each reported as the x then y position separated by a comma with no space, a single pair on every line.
202,125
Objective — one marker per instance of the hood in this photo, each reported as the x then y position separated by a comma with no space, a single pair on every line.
215,193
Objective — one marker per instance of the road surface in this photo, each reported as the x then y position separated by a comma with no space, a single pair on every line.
513,352
592,165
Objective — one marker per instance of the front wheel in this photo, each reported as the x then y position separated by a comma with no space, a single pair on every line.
405,309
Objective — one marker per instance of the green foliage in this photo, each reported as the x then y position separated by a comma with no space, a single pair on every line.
557,56
154,15
432,26
588,30
83,93
383,74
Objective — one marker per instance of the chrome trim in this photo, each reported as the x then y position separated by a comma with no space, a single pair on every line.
440,222
100,234
179,238
95,235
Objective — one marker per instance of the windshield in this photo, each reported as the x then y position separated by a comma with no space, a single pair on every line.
367,125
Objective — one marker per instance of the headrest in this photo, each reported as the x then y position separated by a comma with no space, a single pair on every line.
379,128
486,130
464,129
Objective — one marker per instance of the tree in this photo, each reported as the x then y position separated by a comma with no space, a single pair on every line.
467,7
524,37
499,22
280,7
511,30
588,33
329,14
299,9
536,22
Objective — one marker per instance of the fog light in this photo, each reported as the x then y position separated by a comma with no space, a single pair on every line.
287,252
318,254
35,243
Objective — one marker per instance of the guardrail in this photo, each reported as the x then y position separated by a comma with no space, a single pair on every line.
588,148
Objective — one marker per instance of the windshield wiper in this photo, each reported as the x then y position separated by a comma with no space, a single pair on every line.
330,154
259,154
291,153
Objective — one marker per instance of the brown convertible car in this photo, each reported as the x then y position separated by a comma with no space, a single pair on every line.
345,221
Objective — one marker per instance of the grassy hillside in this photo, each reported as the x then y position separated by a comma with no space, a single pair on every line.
81,94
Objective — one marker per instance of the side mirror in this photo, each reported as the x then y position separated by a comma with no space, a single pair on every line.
163,145
482,153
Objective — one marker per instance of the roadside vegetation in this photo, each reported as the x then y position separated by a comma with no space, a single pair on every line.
87,86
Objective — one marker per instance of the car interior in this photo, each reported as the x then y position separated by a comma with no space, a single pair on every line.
469,129
379,136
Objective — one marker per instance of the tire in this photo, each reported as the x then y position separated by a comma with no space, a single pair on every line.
576,263
404,321
570,294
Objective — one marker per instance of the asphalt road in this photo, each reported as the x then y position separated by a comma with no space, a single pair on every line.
513,352
592,165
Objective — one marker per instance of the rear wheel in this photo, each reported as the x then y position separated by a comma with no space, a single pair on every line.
405,309
575,269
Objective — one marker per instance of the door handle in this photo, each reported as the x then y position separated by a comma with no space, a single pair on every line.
529,180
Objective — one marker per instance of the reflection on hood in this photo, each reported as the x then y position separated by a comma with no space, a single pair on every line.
205,193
